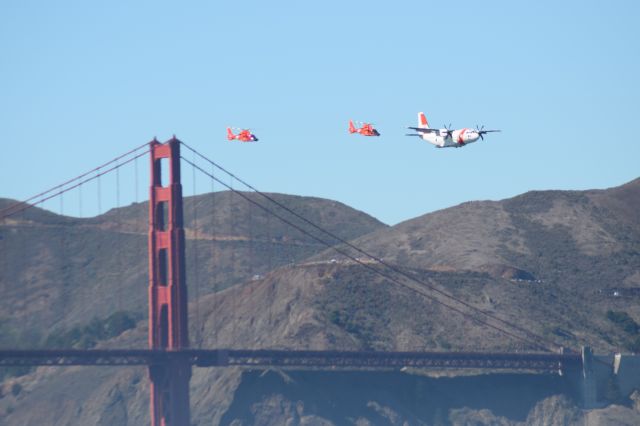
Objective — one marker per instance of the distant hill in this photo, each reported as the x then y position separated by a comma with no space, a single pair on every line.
63,271
530,233
546,258
539,260
544,261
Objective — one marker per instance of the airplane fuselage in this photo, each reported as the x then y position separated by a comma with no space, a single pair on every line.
443,138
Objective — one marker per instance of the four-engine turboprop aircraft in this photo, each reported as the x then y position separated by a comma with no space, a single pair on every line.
446,137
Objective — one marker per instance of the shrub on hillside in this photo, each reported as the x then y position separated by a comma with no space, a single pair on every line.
86,337
623,320
634,345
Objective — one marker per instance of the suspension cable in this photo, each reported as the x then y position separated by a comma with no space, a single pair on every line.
369,267
99,195
25,205
80,201
136,177
121,228
377,259
4,212
195,262
234,296
214,283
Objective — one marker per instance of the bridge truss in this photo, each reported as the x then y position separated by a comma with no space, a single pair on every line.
265,358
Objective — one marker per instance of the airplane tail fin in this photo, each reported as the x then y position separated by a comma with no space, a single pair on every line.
352,128
230,134
422,121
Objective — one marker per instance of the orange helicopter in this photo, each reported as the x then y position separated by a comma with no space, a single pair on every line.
367,129
244,135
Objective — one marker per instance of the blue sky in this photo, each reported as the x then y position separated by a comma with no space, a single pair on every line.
81,82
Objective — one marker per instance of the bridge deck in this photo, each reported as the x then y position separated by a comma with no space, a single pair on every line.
291,358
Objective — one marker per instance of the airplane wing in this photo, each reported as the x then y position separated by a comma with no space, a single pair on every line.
423,130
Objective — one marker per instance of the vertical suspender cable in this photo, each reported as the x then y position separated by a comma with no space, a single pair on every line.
139,211
270,245
233,292
195,260
135,165
212,274
99,195
250,255
80,201
4,253
118,228
4,259
63,245
22,242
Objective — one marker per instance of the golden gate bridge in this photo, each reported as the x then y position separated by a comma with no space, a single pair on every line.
170,358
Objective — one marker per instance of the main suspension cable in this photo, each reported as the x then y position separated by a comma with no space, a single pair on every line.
6,211
367,266
375,258
25,205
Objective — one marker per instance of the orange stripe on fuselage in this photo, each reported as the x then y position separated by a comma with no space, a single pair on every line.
460,140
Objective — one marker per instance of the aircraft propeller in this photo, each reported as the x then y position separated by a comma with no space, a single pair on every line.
481,131
449,130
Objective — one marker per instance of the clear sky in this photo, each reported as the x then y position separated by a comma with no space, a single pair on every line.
81,82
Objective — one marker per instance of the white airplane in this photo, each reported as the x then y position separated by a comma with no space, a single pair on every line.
447,138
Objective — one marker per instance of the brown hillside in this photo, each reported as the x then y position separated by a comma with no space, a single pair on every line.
538,260
62,271
588,239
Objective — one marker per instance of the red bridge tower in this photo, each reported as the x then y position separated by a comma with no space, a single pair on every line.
168,327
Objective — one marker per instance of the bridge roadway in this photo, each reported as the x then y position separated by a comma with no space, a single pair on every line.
293,359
